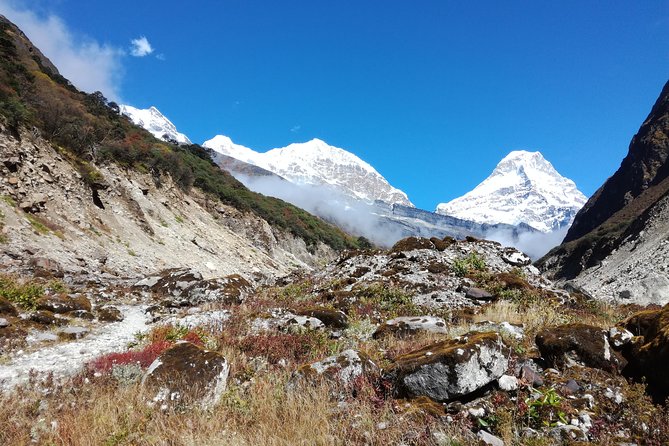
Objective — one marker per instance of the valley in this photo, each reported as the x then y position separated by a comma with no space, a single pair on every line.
155,291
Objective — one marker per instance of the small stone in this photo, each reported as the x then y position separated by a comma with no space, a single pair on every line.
73,333
488,439
13,181
571,387
619,337
4,322
478,294
508,383
531,377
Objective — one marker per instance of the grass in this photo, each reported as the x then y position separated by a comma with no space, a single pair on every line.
24,294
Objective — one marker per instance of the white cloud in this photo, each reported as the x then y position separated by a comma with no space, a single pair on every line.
296,128
88,64
141,47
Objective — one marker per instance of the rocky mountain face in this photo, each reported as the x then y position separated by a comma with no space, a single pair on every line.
155,122
317,163
617,248
523,188
129,225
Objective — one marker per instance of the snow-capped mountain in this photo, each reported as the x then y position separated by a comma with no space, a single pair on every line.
317,163
155,122
523,188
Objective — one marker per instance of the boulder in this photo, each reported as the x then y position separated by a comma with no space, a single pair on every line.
406,325
336,319
170,282
516,258
343,367
450,369
232,289
186,373
478,294
7,308
648,352
186,287
61,304
578,343
45,267
45,317
488,439
411,243
109,313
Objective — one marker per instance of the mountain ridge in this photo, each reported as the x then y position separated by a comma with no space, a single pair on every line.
525,188
315,162
155,122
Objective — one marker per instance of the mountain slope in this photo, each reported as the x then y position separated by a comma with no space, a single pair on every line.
155,122
91,136
617,247
644,168
317,163
523,188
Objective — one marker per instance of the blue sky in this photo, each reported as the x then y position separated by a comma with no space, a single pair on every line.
431,93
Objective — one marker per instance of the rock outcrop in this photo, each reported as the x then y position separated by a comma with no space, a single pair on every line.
579,343
648,352
617,248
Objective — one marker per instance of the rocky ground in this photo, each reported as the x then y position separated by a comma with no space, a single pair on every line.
435,341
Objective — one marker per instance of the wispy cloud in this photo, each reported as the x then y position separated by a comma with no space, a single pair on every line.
140,47
88,64
296,128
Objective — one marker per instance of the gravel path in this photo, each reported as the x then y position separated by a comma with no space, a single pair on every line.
68,358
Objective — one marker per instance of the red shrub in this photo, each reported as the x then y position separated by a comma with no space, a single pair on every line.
143,357
275,347
194,338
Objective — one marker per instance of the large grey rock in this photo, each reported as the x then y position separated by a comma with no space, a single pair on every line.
450,369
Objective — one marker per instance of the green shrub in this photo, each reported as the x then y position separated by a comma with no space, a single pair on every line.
23,294
466,265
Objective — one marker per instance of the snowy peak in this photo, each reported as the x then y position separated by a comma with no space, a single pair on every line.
523,188
155,122
317,163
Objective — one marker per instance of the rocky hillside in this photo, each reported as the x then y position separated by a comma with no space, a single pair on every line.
617,247
128,225
72,163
